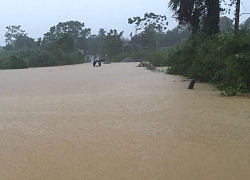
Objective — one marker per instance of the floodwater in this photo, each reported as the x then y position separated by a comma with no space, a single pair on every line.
118,122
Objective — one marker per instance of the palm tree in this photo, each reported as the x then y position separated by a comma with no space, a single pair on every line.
201,15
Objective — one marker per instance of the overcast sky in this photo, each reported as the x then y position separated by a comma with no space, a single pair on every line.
37,16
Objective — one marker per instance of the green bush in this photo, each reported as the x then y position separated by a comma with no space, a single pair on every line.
158,58
223,59
136,55
72,58
18,63
4,64
38,58
181,57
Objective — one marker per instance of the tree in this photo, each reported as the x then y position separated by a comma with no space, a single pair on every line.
17,39
212,18
102,33
13,32
148,38
187,12
94,45
66,43
150,20
150,25
176,35
246,24
201,15
113,43
101,38
74,29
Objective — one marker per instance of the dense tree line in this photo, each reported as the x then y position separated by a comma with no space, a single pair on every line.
59,46
65,43
69,42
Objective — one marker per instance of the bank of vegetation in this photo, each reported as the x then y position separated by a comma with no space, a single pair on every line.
217,51
222,59
211,54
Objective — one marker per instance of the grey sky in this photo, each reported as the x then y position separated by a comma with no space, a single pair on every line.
37,16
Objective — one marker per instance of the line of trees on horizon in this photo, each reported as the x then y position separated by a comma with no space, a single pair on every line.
69,43
65,43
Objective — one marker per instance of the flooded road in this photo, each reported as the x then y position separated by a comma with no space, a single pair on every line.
118,122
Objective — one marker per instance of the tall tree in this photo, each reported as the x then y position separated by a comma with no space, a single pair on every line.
101,37
149,25
113,43
201,15
212,18
17,39
102,33
187,12
13,32
74,29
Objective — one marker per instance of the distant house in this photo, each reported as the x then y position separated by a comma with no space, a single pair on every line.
225,23
1,48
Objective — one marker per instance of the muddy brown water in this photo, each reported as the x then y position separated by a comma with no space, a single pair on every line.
118,122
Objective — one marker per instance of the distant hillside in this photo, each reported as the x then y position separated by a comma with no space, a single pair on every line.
1,48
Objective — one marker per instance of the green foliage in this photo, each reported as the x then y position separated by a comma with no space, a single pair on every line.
202,16
227,91
13,32
174,36
18,63
158,58
95,44
17,39
223,59
246,24
150,24
67,37
64,44
55,58
112,44
4,62
41,59
150,20
137,56
181,57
